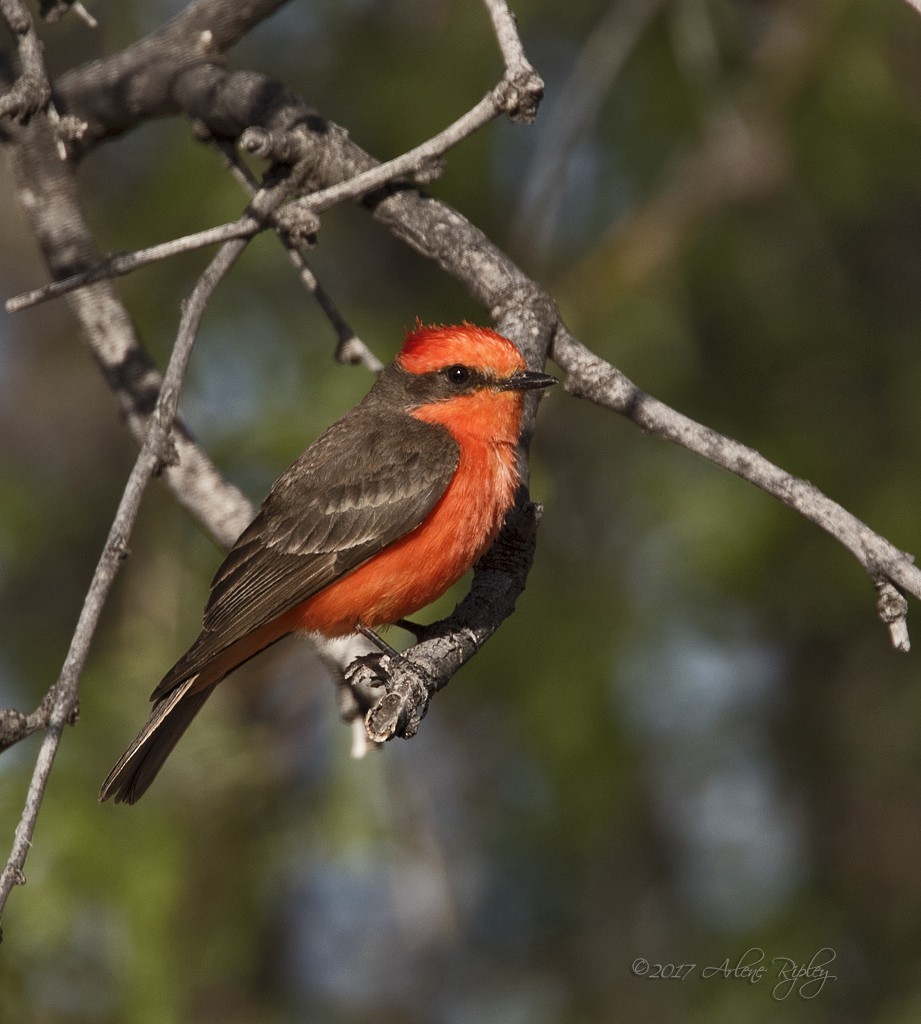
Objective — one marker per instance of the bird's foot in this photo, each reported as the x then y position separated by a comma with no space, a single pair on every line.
366,680
379,642
391,694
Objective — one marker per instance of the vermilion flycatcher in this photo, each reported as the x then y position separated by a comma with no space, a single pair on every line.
378,517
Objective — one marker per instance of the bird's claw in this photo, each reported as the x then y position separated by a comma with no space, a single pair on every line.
366,677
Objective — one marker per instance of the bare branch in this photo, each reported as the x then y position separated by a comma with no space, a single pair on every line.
350,348
271,121
409,681
356,187
47,191
524,87
120,92
15,726
32,91
888,567
120,263
156,451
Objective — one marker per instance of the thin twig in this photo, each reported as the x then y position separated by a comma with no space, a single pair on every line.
519,73
154,453
32,90
84,15
889,568
349,348
118,264
414,160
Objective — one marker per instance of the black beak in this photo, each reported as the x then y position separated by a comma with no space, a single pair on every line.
527,380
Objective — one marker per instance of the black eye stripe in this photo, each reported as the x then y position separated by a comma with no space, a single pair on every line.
442,385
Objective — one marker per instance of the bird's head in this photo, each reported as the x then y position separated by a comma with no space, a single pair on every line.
463,359
467,378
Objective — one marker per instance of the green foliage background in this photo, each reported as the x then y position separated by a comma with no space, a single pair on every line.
692,739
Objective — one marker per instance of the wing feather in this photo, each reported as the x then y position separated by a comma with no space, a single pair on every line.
348,496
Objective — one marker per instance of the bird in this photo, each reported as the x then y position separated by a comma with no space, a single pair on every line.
386,510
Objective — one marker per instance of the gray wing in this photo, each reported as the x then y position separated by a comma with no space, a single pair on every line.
348,496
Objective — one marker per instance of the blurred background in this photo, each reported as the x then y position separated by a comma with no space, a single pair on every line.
693,739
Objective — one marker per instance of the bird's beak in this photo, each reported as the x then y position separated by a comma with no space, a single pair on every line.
527,380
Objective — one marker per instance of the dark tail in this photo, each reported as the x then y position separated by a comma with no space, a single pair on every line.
169,719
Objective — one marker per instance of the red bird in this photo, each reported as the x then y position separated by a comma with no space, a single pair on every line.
378,517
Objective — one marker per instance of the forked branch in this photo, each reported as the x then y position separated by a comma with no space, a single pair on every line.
268,119
155,452
159,449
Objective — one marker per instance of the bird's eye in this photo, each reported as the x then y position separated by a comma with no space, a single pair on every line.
457,374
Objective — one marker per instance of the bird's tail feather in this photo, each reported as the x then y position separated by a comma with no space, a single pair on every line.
169,719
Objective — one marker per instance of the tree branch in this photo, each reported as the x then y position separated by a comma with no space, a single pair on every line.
288,145
120,92
525,88
156,451
890,569
350,348
409,681
31,92
172,71
521,309
48,194
61,231
118,264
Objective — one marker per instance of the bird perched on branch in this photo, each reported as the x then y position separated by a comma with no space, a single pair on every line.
377,518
